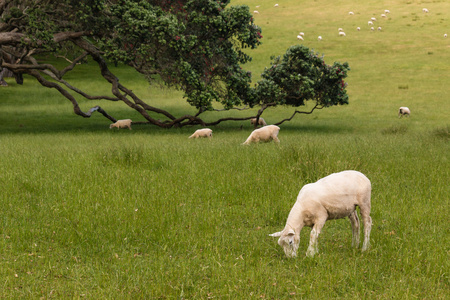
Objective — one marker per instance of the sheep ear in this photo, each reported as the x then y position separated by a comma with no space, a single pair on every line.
291,232
276,234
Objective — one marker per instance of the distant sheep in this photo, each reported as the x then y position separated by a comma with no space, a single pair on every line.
264,134
387,11
373,19
202,133
333,197
276,5
256,12
383,15
302,34
379,28
341,33
299,37
358,28
260,121
403,111
351,13
445,35
319,38
370,23
425,10
122,124
340,29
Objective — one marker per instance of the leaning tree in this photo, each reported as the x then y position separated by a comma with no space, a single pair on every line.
197,46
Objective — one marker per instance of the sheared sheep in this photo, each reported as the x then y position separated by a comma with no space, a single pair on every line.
333,197
402,111
264,134
260,121
199,133
122,124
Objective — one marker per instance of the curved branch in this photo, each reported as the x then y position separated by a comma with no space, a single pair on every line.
300,112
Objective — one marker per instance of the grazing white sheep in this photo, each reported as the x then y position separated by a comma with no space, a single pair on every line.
276,5
445,35
403,111
333,197
351,13
373,19
319,38
387,11
383,15
201,133
371,28
358,28
370,23
340,29
299,37
256,12
121,124
379,28
425,10
264,134
260,121
341,33
302,34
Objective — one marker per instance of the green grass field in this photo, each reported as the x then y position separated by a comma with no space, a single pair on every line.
93,213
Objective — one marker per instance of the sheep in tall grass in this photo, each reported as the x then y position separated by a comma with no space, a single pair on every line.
260,121
122,124
202,133
264,134
333,197
403,111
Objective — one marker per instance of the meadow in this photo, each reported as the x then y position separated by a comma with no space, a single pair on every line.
89,212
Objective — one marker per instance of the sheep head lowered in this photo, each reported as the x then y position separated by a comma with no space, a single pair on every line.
289,241
333,197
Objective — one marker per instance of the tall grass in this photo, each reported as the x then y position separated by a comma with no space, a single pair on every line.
89,212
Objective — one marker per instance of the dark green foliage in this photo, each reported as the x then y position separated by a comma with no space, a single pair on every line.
301,75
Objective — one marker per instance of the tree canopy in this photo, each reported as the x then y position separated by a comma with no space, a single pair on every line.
197,46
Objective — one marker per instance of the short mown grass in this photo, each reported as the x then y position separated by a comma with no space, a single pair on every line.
89,212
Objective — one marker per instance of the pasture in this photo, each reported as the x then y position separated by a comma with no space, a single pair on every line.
89,212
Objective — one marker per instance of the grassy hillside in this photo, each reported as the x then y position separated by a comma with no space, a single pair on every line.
89,212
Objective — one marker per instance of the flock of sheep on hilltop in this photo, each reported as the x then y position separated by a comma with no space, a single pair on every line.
341,32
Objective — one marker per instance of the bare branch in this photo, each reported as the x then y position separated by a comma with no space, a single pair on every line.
317,106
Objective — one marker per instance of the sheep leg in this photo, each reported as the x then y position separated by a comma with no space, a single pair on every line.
313,239
275,138
355,228
367,220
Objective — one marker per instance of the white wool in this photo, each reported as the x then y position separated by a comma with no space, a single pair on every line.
403,111
341,33
261,121
333,197
121,124
264,134
202,133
